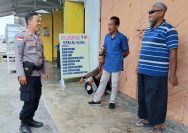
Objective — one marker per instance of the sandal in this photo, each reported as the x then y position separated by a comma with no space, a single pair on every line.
140,123
157,130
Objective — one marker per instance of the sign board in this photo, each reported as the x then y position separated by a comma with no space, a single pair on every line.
11,31
74,55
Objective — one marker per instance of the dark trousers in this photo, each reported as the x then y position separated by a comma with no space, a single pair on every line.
152,98
30,94
108,86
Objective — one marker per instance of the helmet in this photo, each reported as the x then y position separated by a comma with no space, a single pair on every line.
88,88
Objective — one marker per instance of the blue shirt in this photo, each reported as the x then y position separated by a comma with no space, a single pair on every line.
154,54
115,48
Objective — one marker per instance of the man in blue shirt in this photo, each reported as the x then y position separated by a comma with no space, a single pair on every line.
115,49
158,54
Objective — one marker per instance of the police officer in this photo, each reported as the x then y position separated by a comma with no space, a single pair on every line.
30,65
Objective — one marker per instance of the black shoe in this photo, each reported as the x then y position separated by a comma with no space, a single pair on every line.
95,103
112,106
24,128
33,123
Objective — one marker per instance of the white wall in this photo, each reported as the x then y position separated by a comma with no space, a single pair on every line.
92,29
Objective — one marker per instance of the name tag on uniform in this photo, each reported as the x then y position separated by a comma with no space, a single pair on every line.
28,37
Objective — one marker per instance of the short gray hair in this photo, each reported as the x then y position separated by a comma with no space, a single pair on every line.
161,5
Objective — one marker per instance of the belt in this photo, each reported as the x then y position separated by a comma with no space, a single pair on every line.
38,67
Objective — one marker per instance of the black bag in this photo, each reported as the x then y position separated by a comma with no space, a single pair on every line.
28,67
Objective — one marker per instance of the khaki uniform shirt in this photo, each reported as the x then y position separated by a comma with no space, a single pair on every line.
29,47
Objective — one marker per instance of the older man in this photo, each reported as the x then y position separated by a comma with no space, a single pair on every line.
157,55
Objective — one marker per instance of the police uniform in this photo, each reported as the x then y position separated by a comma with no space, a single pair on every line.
29,48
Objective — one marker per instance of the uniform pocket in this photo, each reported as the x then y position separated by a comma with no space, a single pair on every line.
39,47
30,48
25,93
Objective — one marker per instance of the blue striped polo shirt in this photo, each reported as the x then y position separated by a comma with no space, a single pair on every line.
156,45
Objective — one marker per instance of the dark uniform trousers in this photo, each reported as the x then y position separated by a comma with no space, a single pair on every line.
30,94
152,98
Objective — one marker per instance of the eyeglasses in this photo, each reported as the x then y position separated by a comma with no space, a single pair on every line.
153,11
